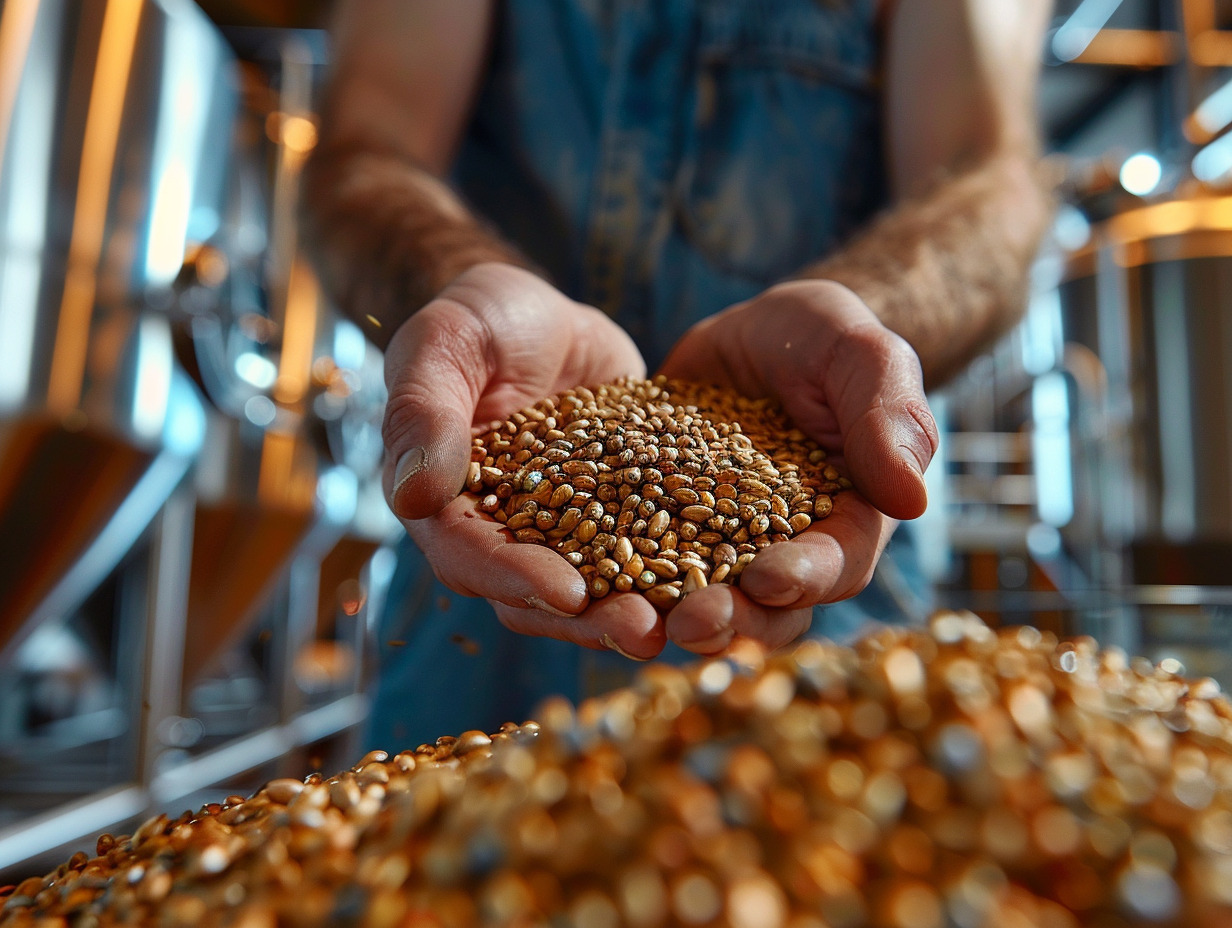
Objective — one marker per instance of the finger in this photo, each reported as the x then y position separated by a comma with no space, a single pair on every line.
707,621
889,432
436,367
701,622
836,364
477,557
602,351
701,355
831,560
622,622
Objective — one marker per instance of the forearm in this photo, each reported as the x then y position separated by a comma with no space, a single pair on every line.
386,235
949,270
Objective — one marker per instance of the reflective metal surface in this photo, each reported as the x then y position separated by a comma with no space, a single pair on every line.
297,393
189,438
114,122
244,535
1088,457
114,129
1149,305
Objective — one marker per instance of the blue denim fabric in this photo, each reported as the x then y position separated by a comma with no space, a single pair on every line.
663,159
660,159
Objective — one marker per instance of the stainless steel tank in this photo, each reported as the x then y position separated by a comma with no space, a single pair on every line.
1149,304
189,441
115,127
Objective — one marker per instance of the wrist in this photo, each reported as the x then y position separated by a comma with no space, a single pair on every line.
387,235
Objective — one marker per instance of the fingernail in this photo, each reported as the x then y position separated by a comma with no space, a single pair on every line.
536,603
611,645
915,457
410,464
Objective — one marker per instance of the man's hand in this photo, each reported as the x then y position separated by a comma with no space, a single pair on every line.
855,387
494,341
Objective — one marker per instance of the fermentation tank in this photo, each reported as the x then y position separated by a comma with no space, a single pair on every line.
1150,297
1115,399
189,452
114,124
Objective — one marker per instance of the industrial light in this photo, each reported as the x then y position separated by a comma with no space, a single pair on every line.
1141,173
1215,112
1076,33
1214,161
256,370
1071,228
260,410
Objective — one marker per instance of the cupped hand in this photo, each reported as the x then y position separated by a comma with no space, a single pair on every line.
856,388
494,341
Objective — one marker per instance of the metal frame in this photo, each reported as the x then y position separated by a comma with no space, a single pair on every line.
159,782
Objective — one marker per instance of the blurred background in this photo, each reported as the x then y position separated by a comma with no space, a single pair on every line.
193,540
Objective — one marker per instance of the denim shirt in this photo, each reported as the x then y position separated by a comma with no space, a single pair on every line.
663,159
660,159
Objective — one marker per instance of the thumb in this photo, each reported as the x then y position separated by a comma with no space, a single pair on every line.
887,451
889,433
435,368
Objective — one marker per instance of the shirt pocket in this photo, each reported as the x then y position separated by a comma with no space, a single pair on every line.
782,157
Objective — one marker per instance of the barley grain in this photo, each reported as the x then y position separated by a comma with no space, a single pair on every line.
656,469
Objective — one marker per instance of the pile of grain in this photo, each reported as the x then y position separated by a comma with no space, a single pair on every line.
947,778
652,485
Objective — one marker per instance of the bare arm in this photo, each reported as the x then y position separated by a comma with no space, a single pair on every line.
467,337
947,267
850,347
386,232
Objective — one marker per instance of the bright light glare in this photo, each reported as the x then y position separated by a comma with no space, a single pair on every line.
1050,449
338,491
27,164
1043,540
1076,33
1141,173
168,220
299,134
1215,111
260,410
1214,161
152,388
174,161
1071,228
256,370
184,429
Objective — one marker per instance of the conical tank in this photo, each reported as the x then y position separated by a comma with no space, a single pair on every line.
115,128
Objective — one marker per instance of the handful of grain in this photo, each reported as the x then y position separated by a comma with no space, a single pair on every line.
949,778
657,486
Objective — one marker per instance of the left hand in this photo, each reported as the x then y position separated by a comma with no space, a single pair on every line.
855,387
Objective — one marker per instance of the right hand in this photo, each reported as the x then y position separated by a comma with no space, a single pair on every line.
496,340
853,386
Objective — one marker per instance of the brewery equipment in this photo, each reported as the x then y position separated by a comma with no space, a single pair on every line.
110,119
189,452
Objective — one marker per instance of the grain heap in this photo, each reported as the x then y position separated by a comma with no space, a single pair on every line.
948,778
652,485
